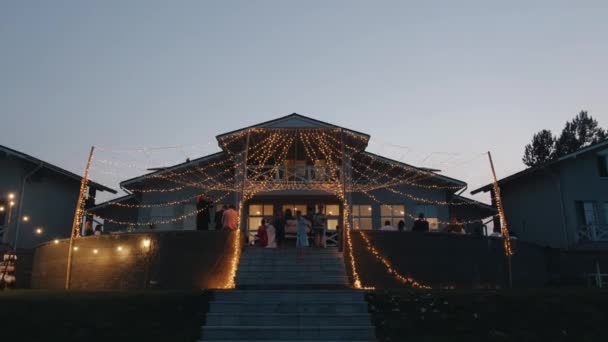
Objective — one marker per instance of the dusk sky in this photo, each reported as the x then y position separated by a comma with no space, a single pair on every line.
445,81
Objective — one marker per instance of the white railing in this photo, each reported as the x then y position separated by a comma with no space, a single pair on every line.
297,173
593,232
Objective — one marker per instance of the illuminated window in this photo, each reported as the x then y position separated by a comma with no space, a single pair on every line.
332,212
256,213
392,213
430,213
294,208
362,216
261,210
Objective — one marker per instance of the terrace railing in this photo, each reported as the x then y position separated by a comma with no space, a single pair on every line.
297,173
593,232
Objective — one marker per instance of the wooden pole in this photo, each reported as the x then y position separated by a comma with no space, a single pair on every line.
503,221
79,212
243,188
343,177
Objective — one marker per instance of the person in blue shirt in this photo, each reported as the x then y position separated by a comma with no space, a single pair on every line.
302,233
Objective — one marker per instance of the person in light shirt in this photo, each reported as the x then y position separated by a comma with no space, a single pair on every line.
230,218
387,227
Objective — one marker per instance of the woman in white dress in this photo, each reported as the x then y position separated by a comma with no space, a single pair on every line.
271,232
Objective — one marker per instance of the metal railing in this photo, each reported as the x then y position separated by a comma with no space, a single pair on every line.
297,173
593,232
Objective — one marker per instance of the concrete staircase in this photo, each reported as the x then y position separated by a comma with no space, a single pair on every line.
283,268
282,298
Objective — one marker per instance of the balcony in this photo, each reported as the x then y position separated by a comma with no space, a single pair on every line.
593,232
292,173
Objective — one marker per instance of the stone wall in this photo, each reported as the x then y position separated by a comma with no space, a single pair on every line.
174,260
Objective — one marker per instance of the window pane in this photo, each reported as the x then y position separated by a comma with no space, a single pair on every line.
362,223
386,210
390,219
433,223
268,209
255,209
332,224
366,210
332,210
398,210
355,210
294,208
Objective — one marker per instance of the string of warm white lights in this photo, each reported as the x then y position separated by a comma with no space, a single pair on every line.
413,217
159,222
389,267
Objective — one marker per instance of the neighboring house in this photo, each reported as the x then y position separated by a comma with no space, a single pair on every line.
292,174
563,203
37,199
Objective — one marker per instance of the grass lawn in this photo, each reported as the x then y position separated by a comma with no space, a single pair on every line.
577,315
102,316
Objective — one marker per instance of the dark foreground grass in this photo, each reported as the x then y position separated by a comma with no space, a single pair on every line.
576,315
102,316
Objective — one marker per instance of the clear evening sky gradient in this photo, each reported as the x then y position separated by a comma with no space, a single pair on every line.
457,78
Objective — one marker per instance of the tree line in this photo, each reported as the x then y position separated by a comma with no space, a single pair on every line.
580,132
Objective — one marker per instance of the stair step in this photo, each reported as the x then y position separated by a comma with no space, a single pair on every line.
353,333
302,319
289,295
288,308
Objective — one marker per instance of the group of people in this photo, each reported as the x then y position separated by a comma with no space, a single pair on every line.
225,218
455,226
88,229
312,226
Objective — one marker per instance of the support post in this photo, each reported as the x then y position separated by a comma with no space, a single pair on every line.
243,186
503,222
79,212
345,224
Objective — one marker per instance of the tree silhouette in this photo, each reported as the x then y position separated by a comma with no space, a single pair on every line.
581,132
541,150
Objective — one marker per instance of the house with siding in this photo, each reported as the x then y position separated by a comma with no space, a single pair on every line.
37,199
297,163
561,204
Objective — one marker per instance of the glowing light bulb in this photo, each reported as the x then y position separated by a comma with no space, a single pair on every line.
38,231
146,243
55,241
11,196
119,248
95,251
26,218
1,208
75,248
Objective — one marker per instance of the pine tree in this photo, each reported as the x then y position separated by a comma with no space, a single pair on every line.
541,150
582,131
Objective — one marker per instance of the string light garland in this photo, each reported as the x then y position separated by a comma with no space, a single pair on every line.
389,267
338,167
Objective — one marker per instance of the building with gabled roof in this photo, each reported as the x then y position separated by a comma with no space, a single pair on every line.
37,199
297,163
563,203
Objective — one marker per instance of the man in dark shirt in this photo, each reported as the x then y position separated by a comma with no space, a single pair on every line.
421,224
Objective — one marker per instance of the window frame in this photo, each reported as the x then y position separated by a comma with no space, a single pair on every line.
357,217
395,216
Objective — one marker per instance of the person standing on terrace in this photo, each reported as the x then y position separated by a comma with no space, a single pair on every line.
421,224
302,233
230,218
